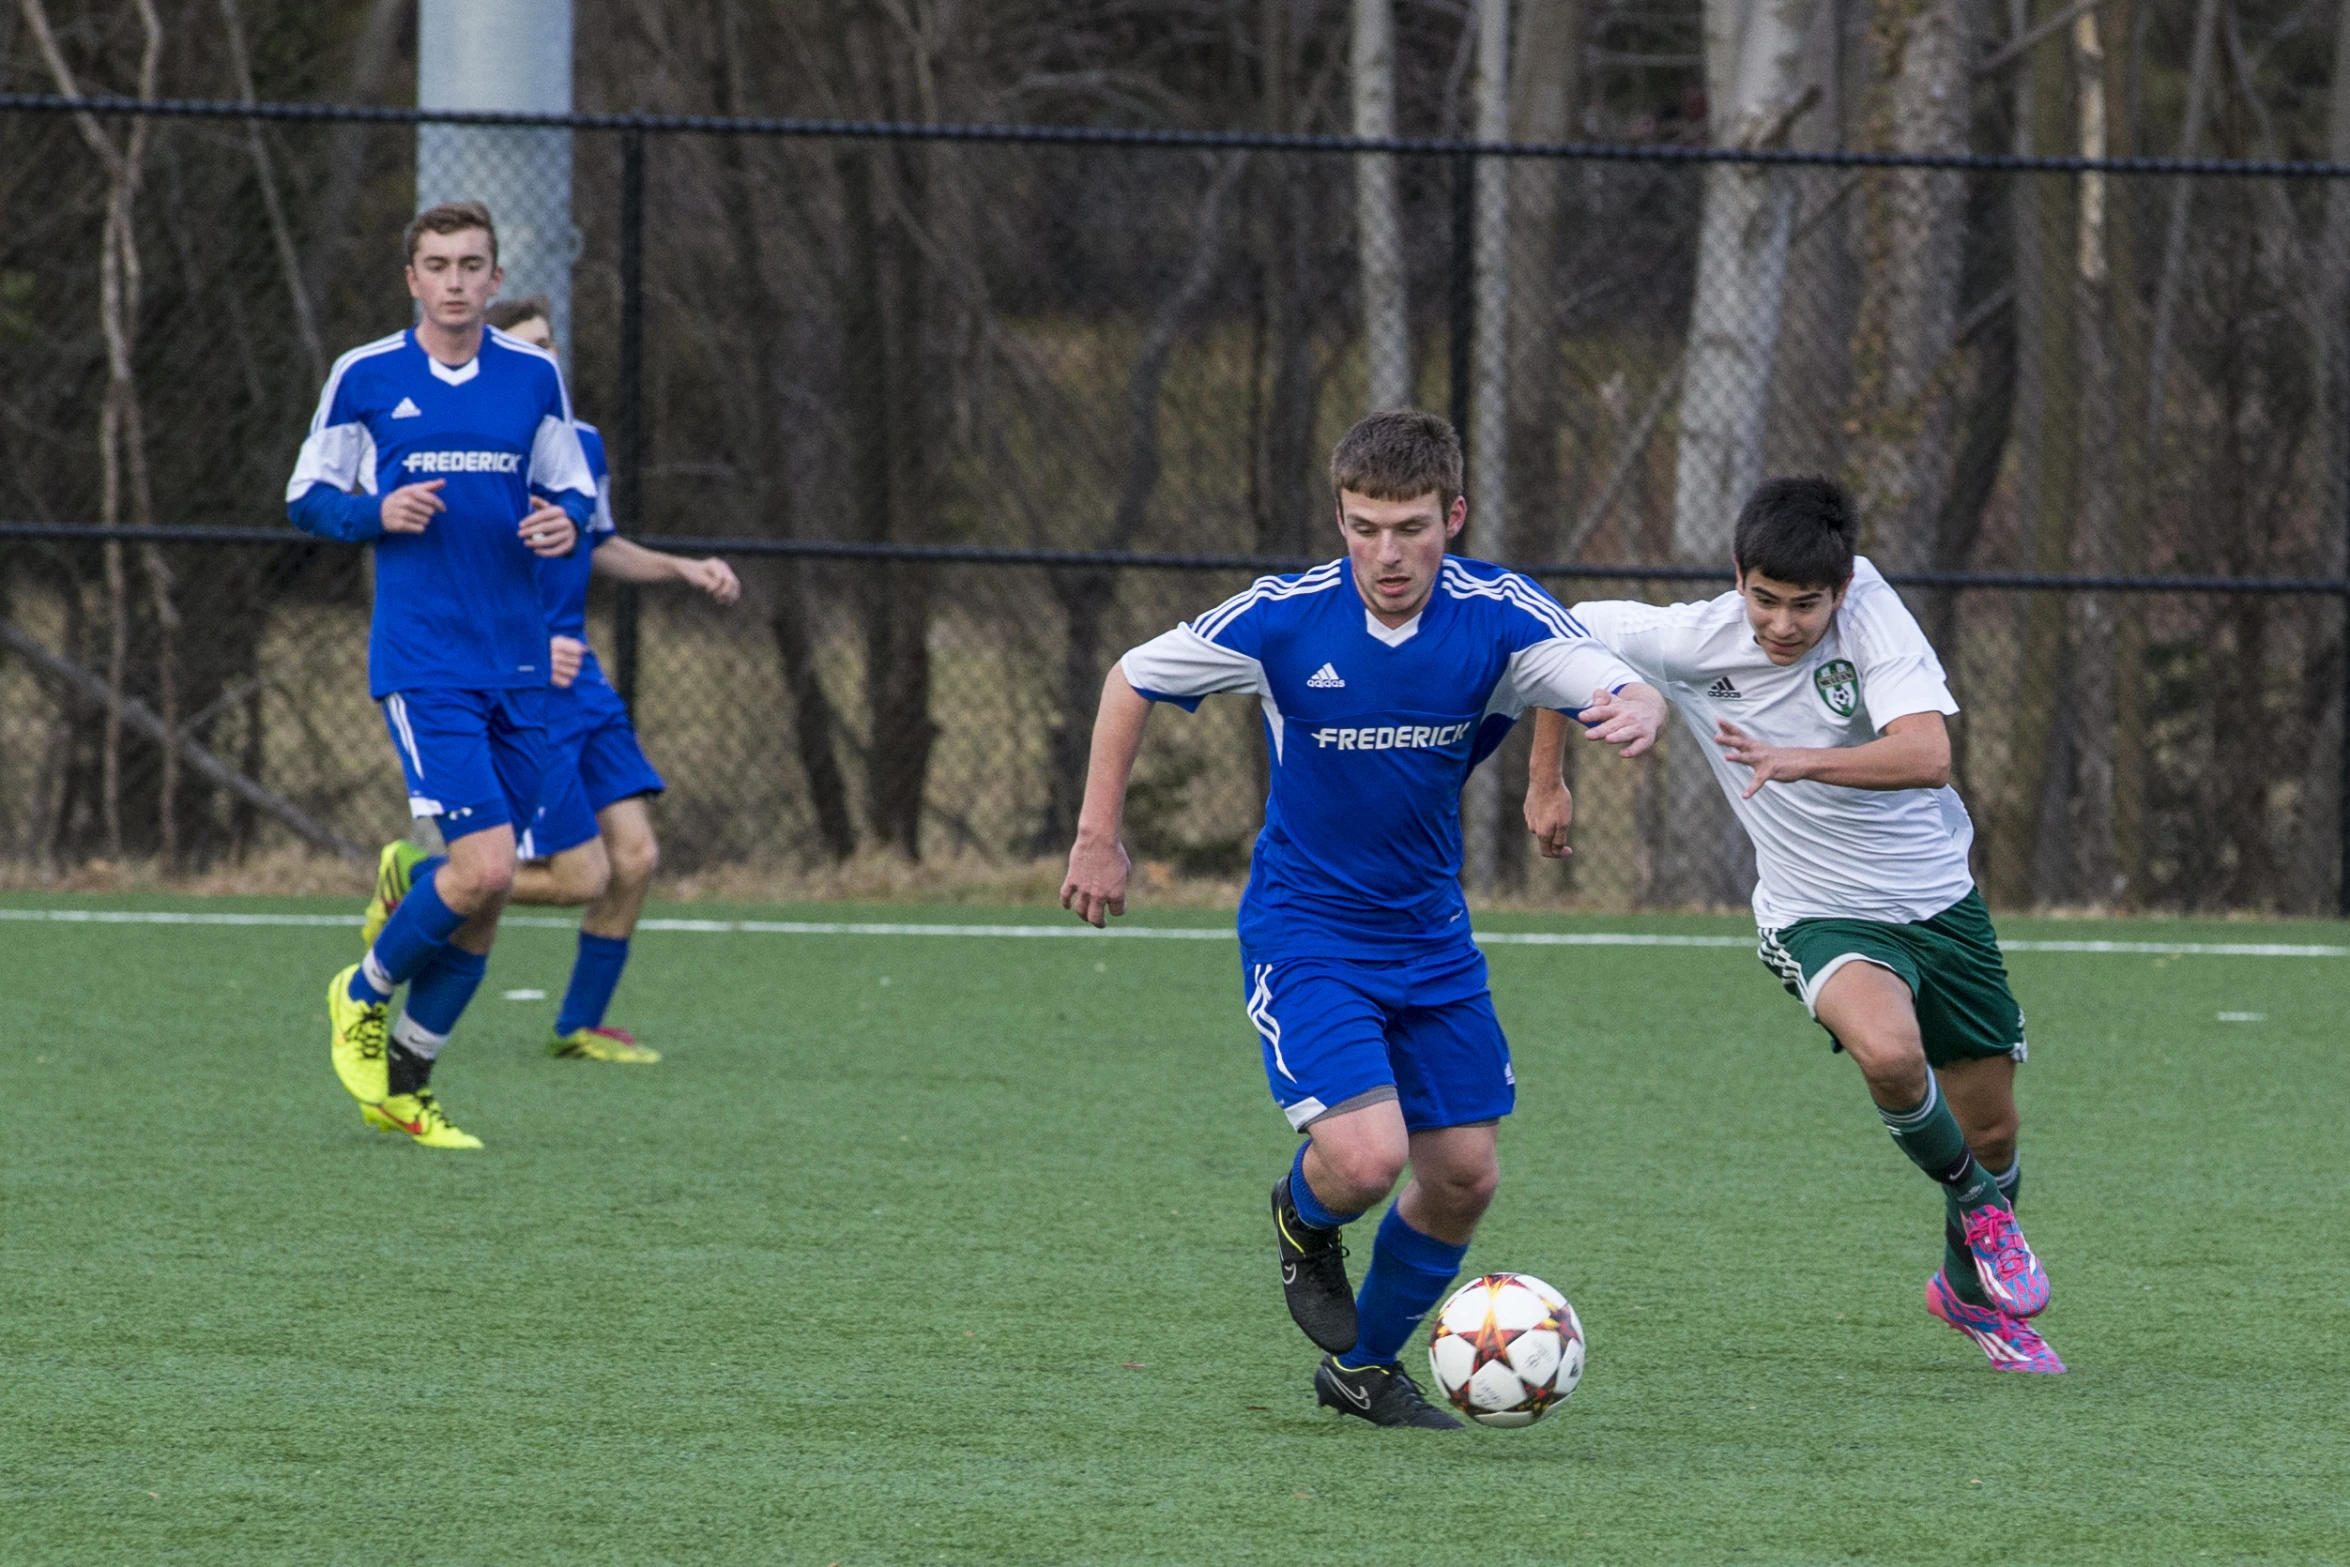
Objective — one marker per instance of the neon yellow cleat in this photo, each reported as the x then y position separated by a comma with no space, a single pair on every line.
421,1117
395,872
601,1044
358,1034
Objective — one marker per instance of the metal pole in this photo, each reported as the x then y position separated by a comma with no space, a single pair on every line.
628,471
2342,808
1464,285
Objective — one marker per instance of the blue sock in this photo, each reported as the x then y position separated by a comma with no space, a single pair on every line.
595,974
439,995
1302,1198
1409,1273
418,928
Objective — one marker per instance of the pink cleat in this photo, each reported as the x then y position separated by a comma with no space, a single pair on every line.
2011,1343
2011,1275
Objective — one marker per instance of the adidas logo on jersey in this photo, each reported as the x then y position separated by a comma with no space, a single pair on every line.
407,409
1723,691
462,462
1325,679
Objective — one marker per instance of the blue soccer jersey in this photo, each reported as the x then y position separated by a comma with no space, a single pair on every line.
563,582
456,606
1373,731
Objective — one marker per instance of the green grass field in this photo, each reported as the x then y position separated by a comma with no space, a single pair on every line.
925,1249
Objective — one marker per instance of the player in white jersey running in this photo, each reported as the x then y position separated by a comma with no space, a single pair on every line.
1820,704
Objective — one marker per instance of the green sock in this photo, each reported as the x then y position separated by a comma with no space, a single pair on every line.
1958,1264
1929,1134
2011,1180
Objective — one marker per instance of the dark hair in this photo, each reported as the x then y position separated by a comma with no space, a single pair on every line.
1399,455
507,314
1797,531
451,217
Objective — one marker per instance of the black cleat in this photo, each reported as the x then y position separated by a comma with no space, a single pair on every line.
1313,1276
1383,1395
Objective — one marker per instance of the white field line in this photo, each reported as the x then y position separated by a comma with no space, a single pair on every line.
1513,938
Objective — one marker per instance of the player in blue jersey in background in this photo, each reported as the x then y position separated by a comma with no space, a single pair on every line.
1384,677
592,842
450,448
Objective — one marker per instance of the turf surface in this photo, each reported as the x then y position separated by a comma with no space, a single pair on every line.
921,1249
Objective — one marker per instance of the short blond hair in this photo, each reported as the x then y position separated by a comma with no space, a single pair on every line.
1399,455
451,217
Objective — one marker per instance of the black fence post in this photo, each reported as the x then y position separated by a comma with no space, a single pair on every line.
2342,809
628,471
1464,286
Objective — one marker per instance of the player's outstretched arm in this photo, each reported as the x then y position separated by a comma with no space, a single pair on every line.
627,561
1095,887
1911,752
1632,717
1550,806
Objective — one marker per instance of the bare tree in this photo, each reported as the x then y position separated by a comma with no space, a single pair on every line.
1085,596
1904,372
2029,813
264,168
1387,320
1747,224
2330,310
2095,547
1489,404
122,437
1751,65
2172,279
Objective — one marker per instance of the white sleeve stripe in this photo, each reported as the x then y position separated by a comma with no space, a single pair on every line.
334,377
508,340
556,459
1265,590
1513,589
339,455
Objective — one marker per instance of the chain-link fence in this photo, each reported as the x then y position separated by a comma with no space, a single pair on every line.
954,398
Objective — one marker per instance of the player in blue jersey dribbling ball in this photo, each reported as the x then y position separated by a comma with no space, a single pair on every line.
448,447
592,842
1385,678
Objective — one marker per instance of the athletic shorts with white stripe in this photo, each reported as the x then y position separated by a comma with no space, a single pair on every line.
1338,1035
474,759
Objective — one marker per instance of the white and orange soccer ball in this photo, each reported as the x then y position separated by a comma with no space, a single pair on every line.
1507,1349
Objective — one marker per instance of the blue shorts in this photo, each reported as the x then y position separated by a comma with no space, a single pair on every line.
1340,1034
472,758
593,759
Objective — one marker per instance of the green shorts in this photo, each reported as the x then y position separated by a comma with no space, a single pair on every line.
1950,963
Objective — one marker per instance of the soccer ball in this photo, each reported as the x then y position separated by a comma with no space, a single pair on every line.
1507,1348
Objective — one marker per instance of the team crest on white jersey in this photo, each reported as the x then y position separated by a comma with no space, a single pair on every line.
1839,687
1325,679
407,409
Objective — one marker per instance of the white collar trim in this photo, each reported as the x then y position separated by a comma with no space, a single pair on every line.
1393,636
457,377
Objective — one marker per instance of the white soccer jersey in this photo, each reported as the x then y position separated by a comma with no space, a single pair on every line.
1822,851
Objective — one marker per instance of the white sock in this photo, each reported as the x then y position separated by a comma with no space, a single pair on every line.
376,976
416,1039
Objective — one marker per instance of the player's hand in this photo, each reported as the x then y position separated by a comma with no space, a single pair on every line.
714,577
564,656
1768,761
1550,809
1631,718
1095,887
549,530
411,507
